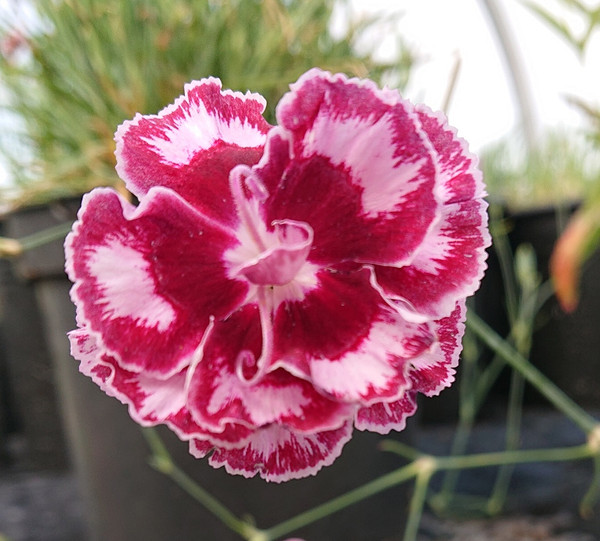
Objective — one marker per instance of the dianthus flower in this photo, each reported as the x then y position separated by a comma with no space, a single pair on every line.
279,286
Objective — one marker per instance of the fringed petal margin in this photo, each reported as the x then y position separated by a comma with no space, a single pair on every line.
219,396
359,151
149,277
450,262
434,370
279,454
192,145
384,417
150,401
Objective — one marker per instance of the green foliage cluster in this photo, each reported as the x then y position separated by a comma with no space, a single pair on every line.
560,170
588,16
578,33
90,64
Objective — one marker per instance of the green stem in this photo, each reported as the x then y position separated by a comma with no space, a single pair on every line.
45,236
466,418
426,468
400,448
545,291
546,387
522,330
591,496
520,84
422,468
521,456
376,486
513,433
161,460
505,260
489,376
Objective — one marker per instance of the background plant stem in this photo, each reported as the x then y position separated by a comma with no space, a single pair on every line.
516,70
161,460
542,384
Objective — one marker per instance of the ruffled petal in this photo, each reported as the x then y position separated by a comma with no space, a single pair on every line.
430,372
435,369
192,145
150,401
149,277
230,436
331,318
279,454
218,395
384,417
345,339
361,155
450,262
377,367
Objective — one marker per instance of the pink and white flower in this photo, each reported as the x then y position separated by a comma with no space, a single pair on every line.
277,287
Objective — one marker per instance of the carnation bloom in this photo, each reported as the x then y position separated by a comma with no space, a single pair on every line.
279,286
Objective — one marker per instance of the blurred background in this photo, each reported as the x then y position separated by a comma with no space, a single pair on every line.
72,71
519,79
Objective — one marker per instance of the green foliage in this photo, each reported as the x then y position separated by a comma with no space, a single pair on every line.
589,17
560,170
578,37
581,238
95,63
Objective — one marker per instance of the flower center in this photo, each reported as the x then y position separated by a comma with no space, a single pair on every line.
265,257
279,264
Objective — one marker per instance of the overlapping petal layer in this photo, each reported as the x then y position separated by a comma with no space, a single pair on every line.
151,401
449,263
278,453
278,286
372,173
192,145
149,277
219,396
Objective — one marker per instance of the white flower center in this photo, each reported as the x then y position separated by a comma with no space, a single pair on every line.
265,257
274,261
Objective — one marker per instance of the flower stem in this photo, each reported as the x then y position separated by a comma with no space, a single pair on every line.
521,456
161,461
521,332
426,468
15,247
518,74
380,484
513,434
50,234
546,387
422,468
466,417
591,496
400,448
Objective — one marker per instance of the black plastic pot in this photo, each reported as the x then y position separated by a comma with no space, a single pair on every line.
566,347
127,500
30,415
